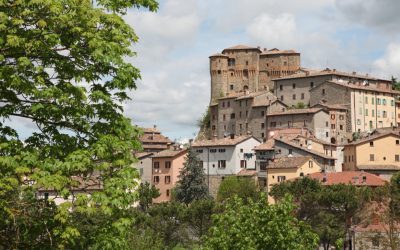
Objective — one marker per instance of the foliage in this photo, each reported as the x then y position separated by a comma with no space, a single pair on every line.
257,225
395,83
204,122
191,185
62,69
300,105
147,193
243,187
198,216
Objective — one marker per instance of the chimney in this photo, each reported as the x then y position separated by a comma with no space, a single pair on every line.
364,179
258,47
334,70
155,126
324,179
354,73
265,49
232,136
190,142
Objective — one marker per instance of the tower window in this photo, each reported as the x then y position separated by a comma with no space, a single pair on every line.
231,86
219,72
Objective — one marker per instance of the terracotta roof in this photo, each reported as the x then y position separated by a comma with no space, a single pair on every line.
222,142
218,55
313,72
241,47
290,143
168,153
154,146
367,88
268,145
296,112
141,155
154,138
151,130
277,52
378,167
349,177
289,162
252,95
331,106
247,172
372,137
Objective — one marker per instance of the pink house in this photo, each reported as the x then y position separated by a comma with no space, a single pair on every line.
166,167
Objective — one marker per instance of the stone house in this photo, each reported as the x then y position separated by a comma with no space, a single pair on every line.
225,157
369,107
153,141
144,165
166,167
377,153
296,88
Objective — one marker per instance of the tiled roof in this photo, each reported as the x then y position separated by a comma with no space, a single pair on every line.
252,95
154,146
331,106
313,72
373,137
141,155
154,138
289,162
222,142
240,47
290,143
151,130
263,102
247,172
359,87
316,140
296,112
278,52
378,167
218,55
268,145
231,96
169,153
349,177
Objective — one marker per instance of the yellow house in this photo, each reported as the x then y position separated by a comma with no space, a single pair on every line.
288,168
377,153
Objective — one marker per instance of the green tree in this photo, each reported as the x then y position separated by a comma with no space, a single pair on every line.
242,187
147,193
258,225
191,185
198,217
62,69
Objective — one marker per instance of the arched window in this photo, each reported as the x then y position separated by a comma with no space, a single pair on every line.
333,140
245,88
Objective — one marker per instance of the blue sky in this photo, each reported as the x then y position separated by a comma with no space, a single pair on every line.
175,42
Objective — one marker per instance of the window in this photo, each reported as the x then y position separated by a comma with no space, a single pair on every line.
384,102
311,84
391,102
373,113
156,179
281,97
371,143
46,196
373,100
262,125
262,113
326,124
167,164
167,192
358,122
156,165
231,62
219,72
221,164
326,134
223,117
397,142
333,126
245,73
199,151
221,150
213,127
396,158
240,114
290,151
323,92
384,114
262,135
281,87
366,112
294,85
240,126
233,116
167,179
247,62
341,117
302,96
281,178
228,103
341,127
241,150
378,101
372,157
243,163
273,124
294,96
366,100
213,150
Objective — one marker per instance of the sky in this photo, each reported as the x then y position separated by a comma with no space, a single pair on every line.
176,41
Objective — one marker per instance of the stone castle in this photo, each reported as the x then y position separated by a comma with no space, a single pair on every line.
249,69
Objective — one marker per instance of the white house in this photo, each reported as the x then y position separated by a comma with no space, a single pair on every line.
224,157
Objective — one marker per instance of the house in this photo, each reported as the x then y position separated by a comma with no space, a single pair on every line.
144,165
377,153
265,154
356,178
166,167
153,141
285,168
225,157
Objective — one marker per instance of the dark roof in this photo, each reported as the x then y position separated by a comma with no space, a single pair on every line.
279,52
218,55
289,162
222,142
241,47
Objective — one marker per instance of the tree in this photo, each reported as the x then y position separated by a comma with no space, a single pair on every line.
191,185
147,193
242,187
62,69
258,225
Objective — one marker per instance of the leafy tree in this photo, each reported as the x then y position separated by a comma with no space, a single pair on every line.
62,69
257,225
147,193
198,217
242,187
191,185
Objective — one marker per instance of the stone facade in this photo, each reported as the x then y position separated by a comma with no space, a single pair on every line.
243,68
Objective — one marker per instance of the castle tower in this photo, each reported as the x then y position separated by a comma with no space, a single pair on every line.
219,73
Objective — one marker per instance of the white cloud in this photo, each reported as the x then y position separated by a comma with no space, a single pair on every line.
389,64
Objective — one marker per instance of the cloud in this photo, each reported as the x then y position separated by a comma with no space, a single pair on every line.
389,64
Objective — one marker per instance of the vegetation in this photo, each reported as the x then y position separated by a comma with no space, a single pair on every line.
395,83
242,187
191,185
204,122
